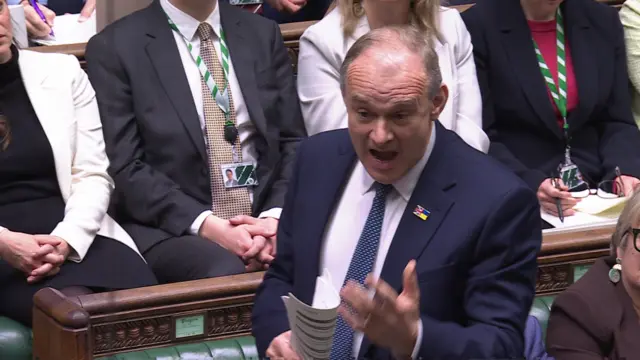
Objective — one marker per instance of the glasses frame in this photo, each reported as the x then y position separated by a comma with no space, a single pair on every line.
591,191
635,232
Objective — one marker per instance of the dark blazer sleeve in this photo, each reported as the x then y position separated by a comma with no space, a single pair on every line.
147,196
475,23
290,124
505,255
572,330
620,138
269,317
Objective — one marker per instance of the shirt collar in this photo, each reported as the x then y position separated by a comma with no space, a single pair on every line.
187,25
405,185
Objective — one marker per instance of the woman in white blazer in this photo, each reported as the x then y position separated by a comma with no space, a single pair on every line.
324,45
54,187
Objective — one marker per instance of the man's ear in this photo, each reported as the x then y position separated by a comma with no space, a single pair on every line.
439,101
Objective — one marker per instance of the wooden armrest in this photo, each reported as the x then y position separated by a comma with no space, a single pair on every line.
61,309
577,241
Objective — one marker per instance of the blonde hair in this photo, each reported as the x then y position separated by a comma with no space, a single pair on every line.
628,218
423,15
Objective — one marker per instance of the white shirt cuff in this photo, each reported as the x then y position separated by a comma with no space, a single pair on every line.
197,223
416,349
271,213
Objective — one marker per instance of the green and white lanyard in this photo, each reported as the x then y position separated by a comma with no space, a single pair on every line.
221,96
559,93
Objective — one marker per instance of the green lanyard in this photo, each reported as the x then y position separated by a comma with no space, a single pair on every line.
221,96
558,93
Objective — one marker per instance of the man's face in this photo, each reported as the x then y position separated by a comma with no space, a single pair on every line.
229,175
390,114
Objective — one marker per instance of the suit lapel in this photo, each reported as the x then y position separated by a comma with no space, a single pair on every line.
53,117
579,37
518,45
243,62
414,234
324,203
164,55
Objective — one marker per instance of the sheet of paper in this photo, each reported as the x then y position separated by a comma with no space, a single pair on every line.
68,30
312,327
578,220
592,210
19,25
596,205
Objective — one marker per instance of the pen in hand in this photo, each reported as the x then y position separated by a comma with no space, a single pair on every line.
556,185
34,4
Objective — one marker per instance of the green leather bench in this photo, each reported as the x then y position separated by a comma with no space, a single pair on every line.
15,342
242,348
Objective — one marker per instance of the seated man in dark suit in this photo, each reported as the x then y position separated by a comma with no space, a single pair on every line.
180,100
451,239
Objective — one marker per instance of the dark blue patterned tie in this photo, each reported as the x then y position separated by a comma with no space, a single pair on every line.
361,265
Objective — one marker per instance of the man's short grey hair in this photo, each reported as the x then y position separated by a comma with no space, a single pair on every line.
629,217
414,40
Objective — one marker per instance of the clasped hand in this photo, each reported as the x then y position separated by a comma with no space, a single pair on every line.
252,239
37,256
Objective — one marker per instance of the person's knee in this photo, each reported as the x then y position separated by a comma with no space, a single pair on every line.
227,265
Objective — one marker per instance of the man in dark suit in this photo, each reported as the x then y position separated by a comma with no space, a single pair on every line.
187,88
451,238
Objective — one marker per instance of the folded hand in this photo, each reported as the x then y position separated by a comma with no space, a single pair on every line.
264,247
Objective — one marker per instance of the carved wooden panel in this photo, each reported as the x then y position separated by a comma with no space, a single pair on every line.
230,321
131,334
554,278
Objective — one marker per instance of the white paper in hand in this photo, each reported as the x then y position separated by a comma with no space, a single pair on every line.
312,327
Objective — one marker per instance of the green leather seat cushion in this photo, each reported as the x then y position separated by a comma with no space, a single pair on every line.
15,340
242,348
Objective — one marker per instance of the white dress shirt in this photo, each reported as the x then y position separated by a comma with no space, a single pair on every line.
323,48
348,220
188,27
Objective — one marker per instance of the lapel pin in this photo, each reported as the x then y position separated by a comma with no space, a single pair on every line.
421,212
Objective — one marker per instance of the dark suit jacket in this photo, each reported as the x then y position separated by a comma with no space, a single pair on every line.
151,127
594,319
476,253
518,114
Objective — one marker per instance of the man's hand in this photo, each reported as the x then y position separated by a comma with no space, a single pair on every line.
23,252
547,195
290,6
280,348
628,183
264,248
389,320
35,26
87,10
237,239
50,268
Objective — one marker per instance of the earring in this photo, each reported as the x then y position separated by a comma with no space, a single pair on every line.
614,273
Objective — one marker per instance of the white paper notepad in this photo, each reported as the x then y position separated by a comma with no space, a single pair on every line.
68,30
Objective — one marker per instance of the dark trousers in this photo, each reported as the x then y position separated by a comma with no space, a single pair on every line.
188,258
